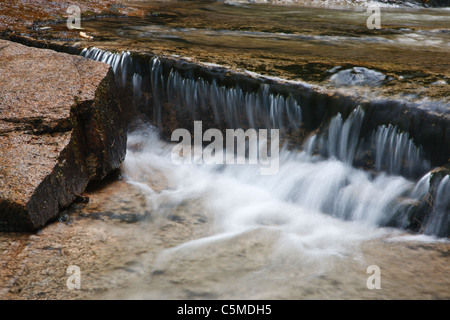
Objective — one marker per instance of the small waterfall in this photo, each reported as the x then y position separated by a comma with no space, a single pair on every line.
169,91
396,153
344,192
438,222
341,138
137,85
430,210
230,107
118,61
238,108
422,187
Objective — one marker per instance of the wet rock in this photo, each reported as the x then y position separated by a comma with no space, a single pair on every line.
431,214
60,127
357,76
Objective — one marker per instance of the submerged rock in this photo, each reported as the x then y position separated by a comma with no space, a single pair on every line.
357,76
60,127
431,215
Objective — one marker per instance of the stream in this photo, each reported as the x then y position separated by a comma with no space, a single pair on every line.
224,231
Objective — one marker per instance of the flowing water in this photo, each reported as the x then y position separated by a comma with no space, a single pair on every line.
312,229
226,231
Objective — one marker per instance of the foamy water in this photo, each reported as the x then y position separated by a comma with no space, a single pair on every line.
299,233
293,201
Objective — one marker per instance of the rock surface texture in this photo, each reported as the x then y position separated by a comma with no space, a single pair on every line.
60,127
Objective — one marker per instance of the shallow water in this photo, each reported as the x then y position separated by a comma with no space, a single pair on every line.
311,230
226,232
211,232
267,237
408,35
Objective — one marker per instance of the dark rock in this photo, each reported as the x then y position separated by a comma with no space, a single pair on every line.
60,127
82,198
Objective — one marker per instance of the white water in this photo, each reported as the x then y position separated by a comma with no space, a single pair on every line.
280,236
295,204
311,230
437,223
231,105
396,152
325,186
342,137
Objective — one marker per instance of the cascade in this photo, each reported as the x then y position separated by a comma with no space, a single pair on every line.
329,184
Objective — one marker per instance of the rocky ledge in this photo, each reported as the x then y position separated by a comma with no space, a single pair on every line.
60,127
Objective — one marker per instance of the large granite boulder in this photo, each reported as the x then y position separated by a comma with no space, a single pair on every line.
60,127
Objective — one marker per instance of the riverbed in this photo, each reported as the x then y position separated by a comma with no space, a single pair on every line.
158,230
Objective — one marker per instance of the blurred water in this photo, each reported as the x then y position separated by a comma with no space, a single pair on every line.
309,231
